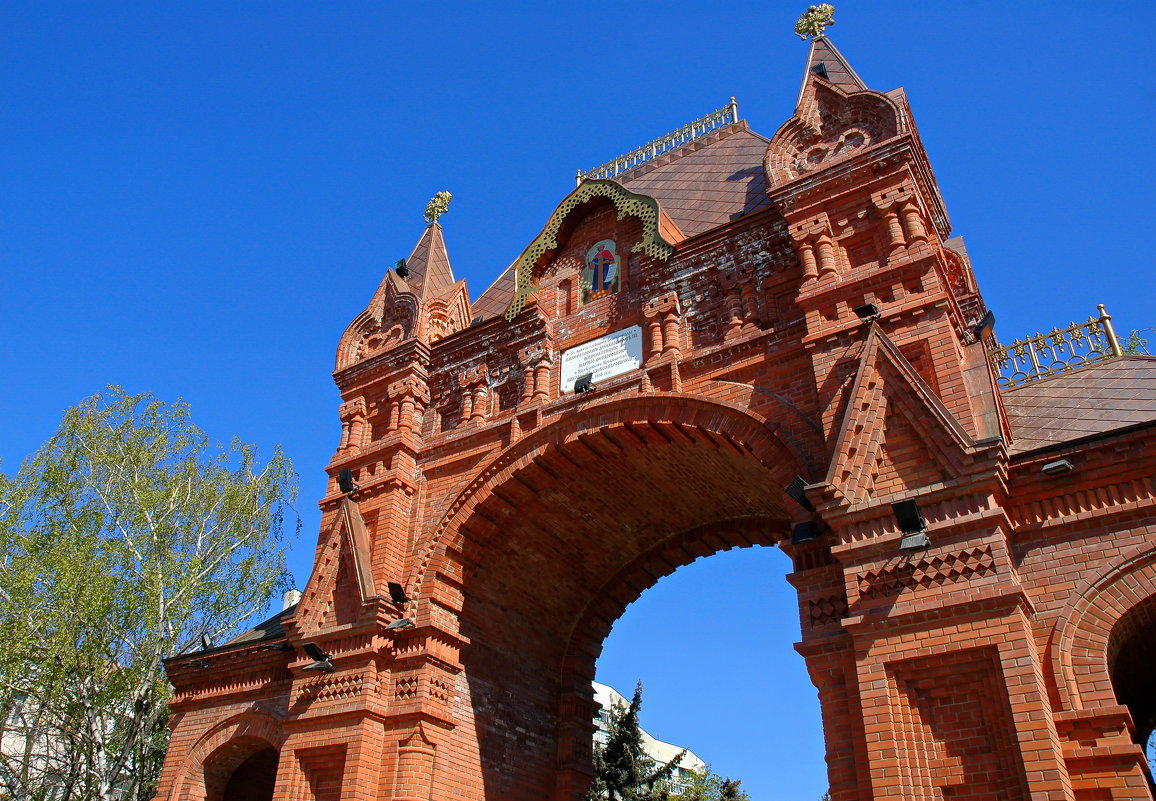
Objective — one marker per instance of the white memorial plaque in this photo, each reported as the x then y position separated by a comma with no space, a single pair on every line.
605,357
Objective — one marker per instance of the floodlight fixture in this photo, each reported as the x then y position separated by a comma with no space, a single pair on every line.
320,659
912,524
584,383
985,326
401,269
400,624
397,593
345,482
804,532
206,642
796,490
1058,467
199,663
867,312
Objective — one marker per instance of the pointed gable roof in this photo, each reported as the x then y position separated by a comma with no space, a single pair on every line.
896,434
825,62
430,274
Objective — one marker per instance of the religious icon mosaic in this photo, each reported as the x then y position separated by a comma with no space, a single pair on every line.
600,275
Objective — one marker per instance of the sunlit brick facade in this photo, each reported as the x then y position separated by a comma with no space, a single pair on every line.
1008,658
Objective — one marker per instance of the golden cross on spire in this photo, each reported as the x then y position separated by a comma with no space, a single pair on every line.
812,24
438,205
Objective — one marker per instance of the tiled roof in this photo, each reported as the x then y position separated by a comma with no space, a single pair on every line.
708,182
430,274
701,186
265,630
1092,400
835,69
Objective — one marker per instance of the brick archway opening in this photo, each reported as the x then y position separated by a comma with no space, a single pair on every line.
242,769
720,669
1131,656
555,551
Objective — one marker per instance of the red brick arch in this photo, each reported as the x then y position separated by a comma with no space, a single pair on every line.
556,536
723,425
248,732
1080,654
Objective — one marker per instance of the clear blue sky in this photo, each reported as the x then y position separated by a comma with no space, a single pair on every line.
198,198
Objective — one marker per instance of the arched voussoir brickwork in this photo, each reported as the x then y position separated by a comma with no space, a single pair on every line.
210,763
627,586
618,425
1080,654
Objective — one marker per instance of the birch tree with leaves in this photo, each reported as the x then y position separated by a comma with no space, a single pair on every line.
127,537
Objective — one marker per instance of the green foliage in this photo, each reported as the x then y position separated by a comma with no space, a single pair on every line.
622,770
1136,345
706,785
126,537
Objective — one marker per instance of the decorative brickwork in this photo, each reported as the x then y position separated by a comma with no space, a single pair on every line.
1002,653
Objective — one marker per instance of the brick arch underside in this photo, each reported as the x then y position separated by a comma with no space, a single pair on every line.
1090,632
555,546
210,764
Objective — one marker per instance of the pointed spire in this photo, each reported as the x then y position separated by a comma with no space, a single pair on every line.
430,274
826,63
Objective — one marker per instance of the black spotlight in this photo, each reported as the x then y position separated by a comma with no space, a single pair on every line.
397,593
985,327
206,642
584,383
345,482
912,524
401,269
796,491
400,624
320,659
1057,468
804,532
867,312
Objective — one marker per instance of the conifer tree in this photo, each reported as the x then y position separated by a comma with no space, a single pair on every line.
622,769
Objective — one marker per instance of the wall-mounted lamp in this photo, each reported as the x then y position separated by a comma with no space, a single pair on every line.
912,524
867,312
397,593
796,490
1057,468
320,659
345,482
584,383
400,624
804,532
985,326
401,269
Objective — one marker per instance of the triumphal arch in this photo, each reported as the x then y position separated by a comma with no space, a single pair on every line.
718,340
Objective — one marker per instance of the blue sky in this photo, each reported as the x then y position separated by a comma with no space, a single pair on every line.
199,197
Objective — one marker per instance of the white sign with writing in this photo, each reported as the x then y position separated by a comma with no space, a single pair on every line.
605,357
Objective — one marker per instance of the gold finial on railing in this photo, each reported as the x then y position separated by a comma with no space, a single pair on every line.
438,205
817,19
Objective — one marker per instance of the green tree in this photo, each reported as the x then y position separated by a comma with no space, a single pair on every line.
1136,345
706,785
123,540
622,769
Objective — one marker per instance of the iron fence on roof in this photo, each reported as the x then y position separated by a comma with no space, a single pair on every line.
1043,355
720,118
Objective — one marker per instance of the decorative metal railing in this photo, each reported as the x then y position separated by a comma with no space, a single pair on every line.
724,116
1042,355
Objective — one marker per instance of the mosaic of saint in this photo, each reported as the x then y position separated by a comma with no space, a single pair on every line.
601,271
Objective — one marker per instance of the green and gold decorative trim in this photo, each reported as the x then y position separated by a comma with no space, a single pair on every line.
627,203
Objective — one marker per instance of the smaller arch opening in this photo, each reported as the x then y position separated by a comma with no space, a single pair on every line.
1131,654
243,769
